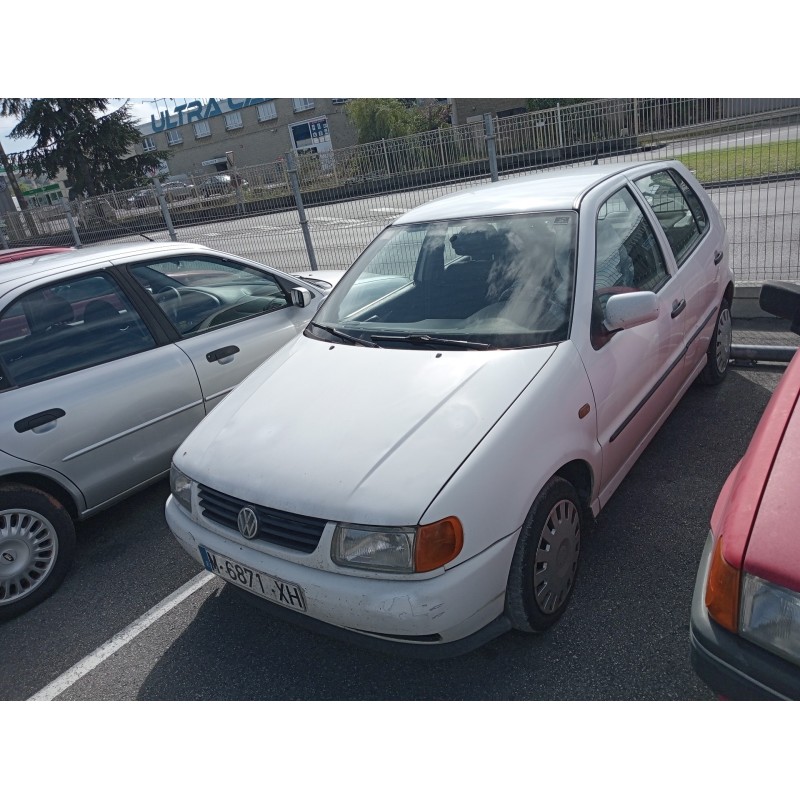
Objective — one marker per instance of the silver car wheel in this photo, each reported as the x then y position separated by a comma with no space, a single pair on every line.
28,552
723,339
557,556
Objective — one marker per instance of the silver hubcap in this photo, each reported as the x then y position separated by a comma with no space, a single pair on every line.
28,552
557,556
724,335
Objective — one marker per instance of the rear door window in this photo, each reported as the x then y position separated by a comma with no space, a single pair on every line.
68,326
678,209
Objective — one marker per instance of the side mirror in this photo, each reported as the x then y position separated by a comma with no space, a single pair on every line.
631,309
301,296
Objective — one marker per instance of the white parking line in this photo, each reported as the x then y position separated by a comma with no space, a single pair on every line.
118,640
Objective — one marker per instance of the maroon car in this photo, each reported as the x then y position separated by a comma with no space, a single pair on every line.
31,251
745,619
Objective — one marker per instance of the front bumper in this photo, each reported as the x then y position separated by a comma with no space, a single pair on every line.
729,664
442,616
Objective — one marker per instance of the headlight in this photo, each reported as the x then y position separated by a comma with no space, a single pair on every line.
770,617
181,487
404,549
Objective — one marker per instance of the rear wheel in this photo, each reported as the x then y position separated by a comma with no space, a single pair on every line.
719,348
545,563
37,542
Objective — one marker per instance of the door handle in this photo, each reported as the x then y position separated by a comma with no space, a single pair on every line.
223,352
35,420
717,257
677,307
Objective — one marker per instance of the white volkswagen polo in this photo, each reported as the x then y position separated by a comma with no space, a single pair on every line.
417,470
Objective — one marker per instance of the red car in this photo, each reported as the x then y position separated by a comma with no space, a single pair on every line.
745,619
32,251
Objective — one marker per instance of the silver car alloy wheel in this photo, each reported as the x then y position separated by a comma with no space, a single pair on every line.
724,338
28,552
557,556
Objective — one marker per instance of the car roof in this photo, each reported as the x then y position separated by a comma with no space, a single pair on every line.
59,263
555,190
29,251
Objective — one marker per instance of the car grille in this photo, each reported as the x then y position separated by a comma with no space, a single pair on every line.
294,531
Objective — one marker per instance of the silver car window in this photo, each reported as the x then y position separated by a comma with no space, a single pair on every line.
198,294
67,326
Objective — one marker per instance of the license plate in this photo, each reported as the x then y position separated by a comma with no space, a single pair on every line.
282,592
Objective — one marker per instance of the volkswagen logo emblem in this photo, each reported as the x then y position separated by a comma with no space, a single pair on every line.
248,522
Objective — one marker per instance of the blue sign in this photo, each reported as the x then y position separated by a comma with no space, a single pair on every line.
196,112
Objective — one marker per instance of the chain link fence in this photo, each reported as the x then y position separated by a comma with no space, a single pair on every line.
320,210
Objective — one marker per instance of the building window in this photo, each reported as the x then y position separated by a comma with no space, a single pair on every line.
266,111
233,120
148,144
174,137
201,130
307,136
302,104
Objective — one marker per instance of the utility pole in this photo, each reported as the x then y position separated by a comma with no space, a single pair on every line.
12,179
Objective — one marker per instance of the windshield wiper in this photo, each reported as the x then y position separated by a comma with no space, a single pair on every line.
345,337
432,341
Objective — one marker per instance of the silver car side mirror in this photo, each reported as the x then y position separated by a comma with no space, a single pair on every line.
301,297
630,309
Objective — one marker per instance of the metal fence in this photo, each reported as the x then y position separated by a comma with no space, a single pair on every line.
321,210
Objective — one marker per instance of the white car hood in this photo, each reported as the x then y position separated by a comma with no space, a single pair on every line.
355,434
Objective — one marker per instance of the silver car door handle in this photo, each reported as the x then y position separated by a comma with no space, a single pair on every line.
677,307
35,420
223,352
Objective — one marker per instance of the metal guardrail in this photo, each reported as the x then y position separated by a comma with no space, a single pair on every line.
347,195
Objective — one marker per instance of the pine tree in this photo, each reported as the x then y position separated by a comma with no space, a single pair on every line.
93,147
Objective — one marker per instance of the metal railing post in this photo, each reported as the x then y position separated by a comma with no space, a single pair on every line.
386,157
560,127
71,221
491,145
291,170
162,202
236,181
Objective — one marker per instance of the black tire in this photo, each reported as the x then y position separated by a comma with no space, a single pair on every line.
37,543
719,348
545,563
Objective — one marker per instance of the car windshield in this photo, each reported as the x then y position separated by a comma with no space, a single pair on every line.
498,282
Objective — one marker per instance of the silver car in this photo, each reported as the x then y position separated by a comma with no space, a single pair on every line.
109,356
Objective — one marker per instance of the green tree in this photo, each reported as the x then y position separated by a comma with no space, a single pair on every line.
93,147
377,118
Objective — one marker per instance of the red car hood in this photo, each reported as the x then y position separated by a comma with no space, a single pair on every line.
759,507
773,551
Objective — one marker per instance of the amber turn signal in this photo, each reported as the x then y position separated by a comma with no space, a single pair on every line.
722,590
437,544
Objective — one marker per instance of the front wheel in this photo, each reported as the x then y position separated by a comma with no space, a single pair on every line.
719,348
37,541
545,563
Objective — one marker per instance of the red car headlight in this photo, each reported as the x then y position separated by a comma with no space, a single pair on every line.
770,617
